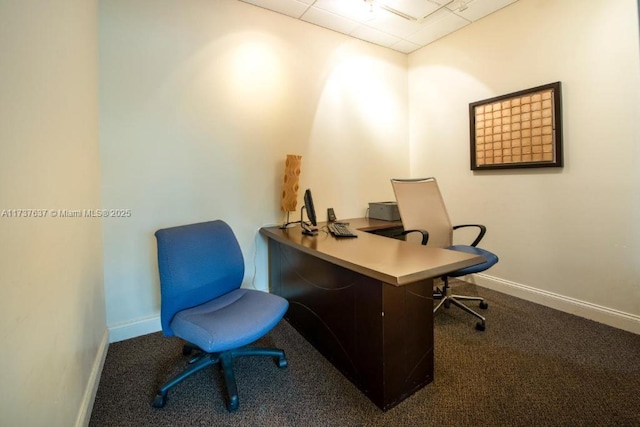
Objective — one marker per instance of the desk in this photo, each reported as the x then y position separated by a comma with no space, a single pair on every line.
365,303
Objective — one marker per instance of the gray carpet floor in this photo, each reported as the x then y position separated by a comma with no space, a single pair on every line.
533,366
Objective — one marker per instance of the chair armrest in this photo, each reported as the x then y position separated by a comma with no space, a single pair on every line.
481,234
425,235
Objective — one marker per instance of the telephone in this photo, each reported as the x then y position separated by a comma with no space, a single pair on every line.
331,215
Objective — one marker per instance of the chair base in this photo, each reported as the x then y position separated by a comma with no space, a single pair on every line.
446,300
225,358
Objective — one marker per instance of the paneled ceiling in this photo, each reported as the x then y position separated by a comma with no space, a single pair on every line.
402,25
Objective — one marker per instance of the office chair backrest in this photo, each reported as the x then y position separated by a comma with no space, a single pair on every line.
421,207
197,263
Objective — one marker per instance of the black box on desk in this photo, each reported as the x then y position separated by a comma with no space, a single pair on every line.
387,211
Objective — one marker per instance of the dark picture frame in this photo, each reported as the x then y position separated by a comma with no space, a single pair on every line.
519,130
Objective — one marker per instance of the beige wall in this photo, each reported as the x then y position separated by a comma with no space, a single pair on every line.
200,102
566,237
53,328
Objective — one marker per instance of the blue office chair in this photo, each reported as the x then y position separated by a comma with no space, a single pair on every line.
201,271
423,211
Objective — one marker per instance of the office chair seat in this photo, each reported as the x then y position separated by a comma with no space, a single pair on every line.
490,257
230,321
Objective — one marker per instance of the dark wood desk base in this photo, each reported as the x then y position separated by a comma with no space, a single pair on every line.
378,335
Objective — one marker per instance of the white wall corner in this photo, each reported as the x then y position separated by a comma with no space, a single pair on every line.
135,328
84,415
608,316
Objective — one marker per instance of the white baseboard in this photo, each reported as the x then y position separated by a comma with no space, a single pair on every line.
608,316
94,380
135,328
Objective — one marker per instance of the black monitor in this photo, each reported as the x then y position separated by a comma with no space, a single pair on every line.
311,214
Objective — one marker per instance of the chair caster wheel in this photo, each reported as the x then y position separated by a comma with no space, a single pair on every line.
160,400
480,326
484,305
446,304
282,363
233,404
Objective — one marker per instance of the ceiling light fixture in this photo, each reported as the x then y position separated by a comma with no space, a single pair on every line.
380,4
373,6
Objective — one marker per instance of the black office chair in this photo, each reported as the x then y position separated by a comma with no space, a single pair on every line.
201,270
423,211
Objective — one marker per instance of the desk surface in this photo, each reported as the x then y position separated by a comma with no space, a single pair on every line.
392,261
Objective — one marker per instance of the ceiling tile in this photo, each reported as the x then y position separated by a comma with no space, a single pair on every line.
356,10
374,36
436,26
405,46
456,5
293,8
415,8
424,21
392,24
329,20
480,8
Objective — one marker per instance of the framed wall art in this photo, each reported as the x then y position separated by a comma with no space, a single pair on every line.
518,130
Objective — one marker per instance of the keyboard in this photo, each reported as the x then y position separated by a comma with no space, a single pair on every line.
340,230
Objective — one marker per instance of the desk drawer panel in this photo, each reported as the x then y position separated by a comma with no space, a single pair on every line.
336,310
